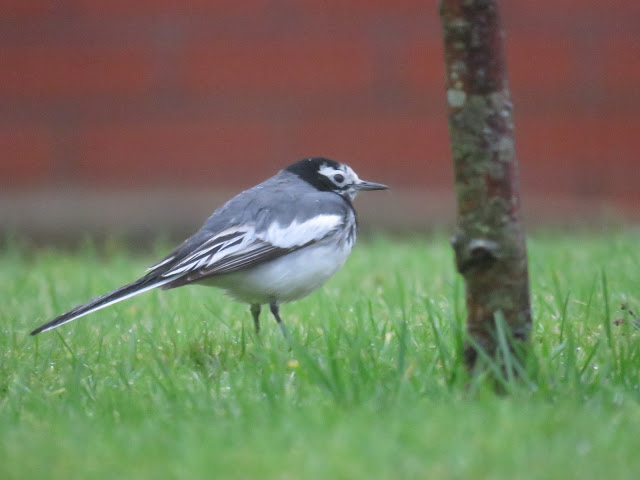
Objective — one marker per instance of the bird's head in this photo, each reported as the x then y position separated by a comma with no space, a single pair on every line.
330,176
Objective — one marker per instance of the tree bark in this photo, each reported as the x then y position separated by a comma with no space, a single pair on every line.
489,242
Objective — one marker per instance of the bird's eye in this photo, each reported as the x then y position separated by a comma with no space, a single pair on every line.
339,178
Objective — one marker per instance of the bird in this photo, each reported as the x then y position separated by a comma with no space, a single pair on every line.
274,243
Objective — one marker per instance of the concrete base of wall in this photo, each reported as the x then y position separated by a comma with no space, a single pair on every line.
57,216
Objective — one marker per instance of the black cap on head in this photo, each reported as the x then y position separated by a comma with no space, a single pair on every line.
307,170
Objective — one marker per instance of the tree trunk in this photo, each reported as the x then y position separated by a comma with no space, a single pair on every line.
489,241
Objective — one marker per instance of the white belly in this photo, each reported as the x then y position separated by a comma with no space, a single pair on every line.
287,278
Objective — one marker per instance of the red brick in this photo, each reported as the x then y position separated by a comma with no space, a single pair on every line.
26,8
27,156
620,65
553,9
618,152
199,153
599,138
561,137
306,66
170,7
540,63
366,7
422,65
57,71
411,151
577,154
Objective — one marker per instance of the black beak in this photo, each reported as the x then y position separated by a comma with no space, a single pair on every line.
362,185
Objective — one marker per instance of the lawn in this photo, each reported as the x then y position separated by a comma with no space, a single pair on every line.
175,384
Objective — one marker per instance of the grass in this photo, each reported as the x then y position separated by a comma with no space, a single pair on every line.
176,385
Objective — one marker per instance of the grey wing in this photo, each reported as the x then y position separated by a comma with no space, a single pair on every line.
265,234
227,252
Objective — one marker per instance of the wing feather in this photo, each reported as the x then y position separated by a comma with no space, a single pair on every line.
243,247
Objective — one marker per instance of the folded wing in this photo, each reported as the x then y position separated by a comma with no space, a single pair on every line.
243,247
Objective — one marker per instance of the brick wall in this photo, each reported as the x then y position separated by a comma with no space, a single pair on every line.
133,94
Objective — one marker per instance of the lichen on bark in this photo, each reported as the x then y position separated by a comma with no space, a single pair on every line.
489,241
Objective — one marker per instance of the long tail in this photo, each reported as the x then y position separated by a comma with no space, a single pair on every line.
139,286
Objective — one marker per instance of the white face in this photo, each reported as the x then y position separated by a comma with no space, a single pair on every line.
344,179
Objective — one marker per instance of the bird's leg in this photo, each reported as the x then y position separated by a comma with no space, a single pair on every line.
276,313
255,311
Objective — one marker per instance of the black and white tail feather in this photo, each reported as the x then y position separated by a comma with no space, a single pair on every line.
139,286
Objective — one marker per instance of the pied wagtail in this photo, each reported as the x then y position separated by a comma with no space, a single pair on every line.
276,242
